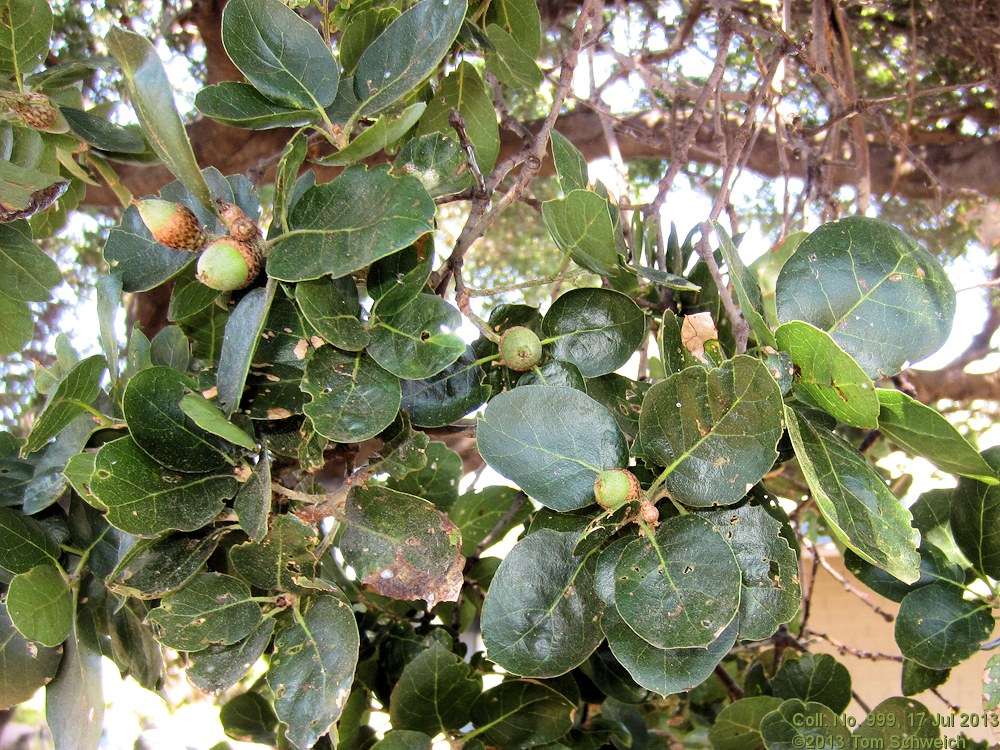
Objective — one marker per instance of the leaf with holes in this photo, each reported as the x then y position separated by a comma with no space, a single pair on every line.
211,608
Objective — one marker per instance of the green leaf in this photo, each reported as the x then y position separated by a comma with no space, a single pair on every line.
434,693
715,431
170,347
938,628
40,604
331,306
552,441
920,430
437,483
253,500
101,133
281,54
353,399
312,667
596,329
438,161
406,53
668,280
27,666
509,62
152,568
680,587
210,418
243,334
770,569
479,513
74,701
541,617
28,189
363,26
448,396
828,377
384,132
859,508
395,281
29,275
419,340
747,292
403,739
401,546
738,725
975,519
796,724
24,543
571,167
932,518
622,397
249,718
276,561
899,722
554,372
49,482
152,97
581,226
211,608
25,26
218,668
145,499
160,427
138,260
240,105
883,298
916,678
814,677
329,235
404,450
520,18
991,684
521,714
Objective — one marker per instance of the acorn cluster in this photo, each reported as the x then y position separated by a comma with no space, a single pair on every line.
226,263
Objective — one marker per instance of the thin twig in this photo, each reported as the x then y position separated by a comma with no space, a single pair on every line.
491,537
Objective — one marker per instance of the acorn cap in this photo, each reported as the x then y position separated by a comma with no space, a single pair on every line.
37,111
172,224
228,264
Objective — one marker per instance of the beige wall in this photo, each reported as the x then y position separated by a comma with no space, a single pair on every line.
845,618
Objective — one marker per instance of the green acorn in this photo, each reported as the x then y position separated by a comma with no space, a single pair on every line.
520,348
615,487
172,224
228,264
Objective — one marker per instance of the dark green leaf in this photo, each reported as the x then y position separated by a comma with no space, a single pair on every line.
218,668
25,26
253,500
508,62
152,568
384,132
161,428
520,714
554,372
938,628
312,667
101,133
240,105
448,396
437,482
273,392
883,298
715,431
975,519
395,281
249,718
920,430
74,702
552,441
210,418
362,28
281,54
932,518
595,329
747,292
145,499
211,608
242,337
622,397
171,347
434,693
542,616
140,261
479,513
406,53
521,19
769,567
437,160
353,399
899,722
24,543
29,276
668,280
796,724
329,235
419,340
26,665
276,561
571,167
40,604
152,96
814,677
738,726
917,678
859,508
581,226
680,587
331,306
49,482
827,376
401,546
